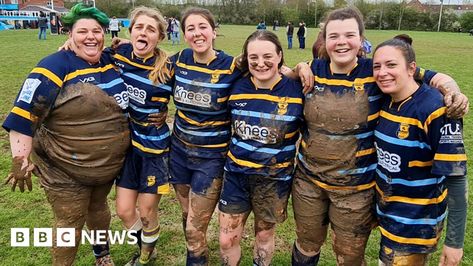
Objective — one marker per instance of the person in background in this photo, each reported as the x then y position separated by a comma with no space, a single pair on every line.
175,28
301,33
266,115
114,26
421,169
55,128
290,34
42,25
261,25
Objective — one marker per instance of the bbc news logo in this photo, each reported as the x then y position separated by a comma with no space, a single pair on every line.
66,237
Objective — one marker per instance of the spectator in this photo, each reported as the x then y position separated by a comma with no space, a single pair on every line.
114,26
301,34
43,25
289,33
261,25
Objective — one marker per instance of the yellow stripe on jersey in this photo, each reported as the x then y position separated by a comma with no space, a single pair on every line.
418,201
450,157
420,163
206,70
400,119
222,100
159,99
266,97
256,165
290,135
373,116
164,189
221,145
341,82
435,114
149,150
365,152
195,123
126,60
25,114
50,75
87,71
351,188
407,240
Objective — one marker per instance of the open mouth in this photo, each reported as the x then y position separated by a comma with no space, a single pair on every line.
342,51
141,44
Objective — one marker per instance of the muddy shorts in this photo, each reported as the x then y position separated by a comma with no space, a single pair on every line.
350,214
199,173
145,174
266,197
390,257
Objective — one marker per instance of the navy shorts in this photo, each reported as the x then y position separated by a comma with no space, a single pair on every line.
267,197
199,173
145,174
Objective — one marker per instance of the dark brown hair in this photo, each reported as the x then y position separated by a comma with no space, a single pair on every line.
262,35
405,48
205,13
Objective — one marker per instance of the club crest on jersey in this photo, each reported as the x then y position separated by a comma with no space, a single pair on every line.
151,180
403,131
282,107
214,78
359,87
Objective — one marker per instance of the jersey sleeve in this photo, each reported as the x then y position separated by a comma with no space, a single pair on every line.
424,75
37,95
447,142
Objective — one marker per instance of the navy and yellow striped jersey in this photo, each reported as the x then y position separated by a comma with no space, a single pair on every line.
54,72
337,148
145,98
201,91
266,125
418,147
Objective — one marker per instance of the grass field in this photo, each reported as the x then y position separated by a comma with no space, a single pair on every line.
449,53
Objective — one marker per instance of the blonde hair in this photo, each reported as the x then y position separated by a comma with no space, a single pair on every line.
160,73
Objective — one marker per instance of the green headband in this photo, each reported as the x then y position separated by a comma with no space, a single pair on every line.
79,11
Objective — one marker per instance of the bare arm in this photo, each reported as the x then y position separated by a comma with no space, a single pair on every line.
21,169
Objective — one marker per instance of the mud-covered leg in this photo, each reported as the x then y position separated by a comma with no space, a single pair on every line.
99,216
310,204
264,243
70,211
352,219
201,209
231,231
148,204
182,194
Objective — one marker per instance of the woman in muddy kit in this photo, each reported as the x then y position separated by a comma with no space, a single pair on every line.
421,165
266,114
334,180
68,116
144,177
201,133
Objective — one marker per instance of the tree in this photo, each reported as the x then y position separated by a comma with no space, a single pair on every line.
466,21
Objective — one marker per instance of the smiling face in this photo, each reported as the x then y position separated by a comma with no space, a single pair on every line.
144,36
87,37
342,41
199,34
392,73
263,61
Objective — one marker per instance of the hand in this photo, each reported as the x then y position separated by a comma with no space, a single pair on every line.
20,173
306,76
457,104
119,41
158,119
450,256
66,46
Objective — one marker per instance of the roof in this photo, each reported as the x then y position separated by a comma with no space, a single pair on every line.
37,8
